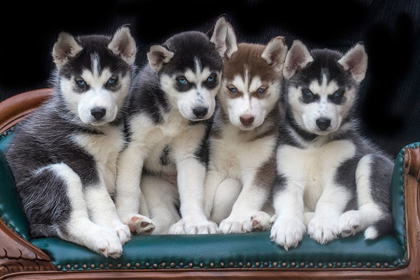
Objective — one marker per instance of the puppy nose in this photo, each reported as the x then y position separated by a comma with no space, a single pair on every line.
323,123
98,112
200,112
246,120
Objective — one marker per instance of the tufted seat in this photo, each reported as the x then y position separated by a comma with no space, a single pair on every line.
242,255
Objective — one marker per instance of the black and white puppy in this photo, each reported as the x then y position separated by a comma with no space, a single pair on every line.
64,156
243,138
168,120
325,168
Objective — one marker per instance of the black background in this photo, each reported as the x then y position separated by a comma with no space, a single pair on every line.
389,101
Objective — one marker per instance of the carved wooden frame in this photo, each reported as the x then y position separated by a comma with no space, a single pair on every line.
21,259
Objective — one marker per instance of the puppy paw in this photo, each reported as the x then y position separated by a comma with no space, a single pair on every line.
177,228
348,223
261,221
107,243
123,232
287,232
323,228
236,225
139,224
194,227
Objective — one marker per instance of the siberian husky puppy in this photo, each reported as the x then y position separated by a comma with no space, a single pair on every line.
64,156
168,119
243,138
324,166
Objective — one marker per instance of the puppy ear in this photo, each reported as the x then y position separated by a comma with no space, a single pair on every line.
123,44
158,55
297,58
224,38
66,47
275,53
355,61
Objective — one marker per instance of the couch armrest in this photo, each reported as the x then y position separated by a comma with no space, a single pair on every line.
412,195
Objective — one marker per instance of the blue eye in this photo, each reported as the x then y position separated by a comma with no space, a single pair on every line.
112,81
307,93
233,89
182,80
210,78
339,93
80,82
261,90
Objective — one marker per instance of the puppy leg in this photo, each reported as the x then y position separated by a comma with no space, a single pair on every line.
373,178
128,191
225,196
162,199
63,185
250,200
324,226
211,184
288,227
102,210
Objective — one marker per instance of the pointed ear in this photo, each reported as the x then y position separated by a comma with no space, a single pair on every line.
65,48
158,55
275,53
224,38
123,44
297,58
355,61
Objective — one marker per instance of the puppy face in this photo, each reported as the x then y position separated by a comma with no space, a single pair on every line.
189,70
95,79
251,84
192,89
322,88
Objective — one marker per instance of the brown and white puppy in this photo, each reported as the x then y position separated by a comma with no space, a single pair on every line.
242,143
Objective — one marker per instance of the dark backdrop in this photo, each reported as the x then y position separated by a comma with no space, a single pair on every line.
389,103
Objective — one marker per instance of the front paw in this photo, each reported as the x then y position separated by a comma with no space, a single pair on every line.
323,228
349,223
261,221
139,224
194,227
123,232
236,225
287,232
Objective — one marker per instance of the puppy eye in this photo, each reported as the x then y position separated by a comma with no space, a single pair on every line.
261,90
182,80
339,93
112,81
211,78
80,82
233,89
307,93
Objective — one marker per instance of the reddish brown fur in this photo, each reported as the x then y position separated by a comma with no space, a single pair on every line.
248,57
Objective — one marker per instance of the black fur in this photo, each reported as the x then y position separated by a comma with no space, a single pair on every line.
46,138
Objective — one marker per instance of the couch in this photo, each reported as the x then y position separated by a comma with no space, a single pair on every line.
252,255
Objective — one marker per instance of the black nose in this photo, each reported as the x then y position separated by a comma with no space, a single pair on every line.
200,112
98,112
323,123
246,120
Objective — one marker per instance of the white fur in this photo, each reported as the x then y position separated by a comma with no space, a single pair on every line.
198,96
247,104
80,229
307,114
310,182
81,104
368,212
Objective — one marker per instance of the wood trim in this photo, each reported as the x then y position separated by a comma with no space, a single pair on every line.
412,193
219,273
16,108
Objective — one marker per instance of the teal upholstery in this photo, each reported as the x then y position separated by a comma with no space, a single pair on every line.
217,251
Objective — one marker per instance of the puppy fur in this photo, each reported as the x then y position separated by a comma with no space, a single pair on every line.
328,176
